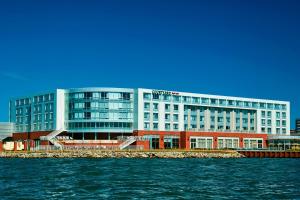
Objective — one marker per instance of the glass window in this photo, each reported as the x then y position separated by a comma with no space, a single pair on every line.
167,107
146,106
269,130
204,100
263,113
195,100
269,114
175,107
283,115
167,97
283,107
239,103
284,131
175,117
283,123
147,96
167,126
222,102
213,101
155,126
175,126
146,125
262,105
155,116
147,115
167,116
270,105
155,96
176,98
269,122
277,122
231,103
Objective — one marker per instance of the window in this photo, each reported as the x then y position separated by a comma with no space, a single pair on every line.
155,106
155,126
175,107
269,130
167,126
103,95
277,115
283,107
284,131
239,103
247,104
231,102
155,96
176,98
270,106
269,114
222,102
147,116
269,122
147,96
213,101
175,126
175,117
167,97
283,115
277,130
262,105
126,96
146,106
204,100
167,116
155,116
195,100
277,122
263,113
167,107
146,125
283,123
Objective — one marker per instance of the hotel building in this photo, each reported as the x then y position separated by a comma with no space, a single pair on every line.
163,119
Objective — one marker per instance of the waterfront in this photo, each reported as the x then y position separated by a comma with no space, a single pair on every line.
149,178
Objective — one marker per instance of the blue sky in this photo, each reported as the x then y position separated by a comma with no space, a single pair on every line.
231,47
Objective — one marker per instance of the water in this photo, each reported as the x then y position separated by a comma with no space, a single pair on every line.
150,178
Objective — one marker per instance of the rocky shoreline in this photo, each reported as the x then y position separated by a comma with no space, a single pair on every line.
122,154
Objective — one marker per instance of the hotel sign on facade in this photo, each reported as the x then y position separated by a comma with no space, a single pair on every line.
164,92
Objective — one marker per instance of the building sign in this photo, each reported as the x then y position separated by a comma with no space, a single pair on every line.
164,92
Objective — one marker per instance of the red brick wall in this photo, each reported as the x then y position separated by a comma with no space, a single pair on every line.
185,137
32,135
1,146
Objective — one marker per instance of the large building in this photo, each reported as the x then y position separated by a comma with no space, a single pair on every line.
166,119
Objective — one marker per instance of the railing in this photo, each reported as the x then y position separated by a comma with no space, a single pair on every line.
84,147
127,142
221,130
51,138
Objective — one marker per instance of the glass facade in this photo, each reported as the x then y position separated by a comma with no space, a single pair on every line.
36,113
100,111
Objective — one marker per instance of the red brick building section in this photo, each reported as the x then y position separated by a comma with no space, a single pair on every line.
184,142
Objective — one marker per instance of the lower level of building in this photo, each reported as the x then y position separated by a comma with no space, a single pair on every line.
148,140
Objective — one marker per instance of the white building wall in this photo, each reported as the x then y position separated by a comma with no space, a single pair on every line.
161,103
60,109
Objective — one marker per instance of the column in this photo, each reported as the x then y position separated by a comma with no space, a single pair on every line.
198,119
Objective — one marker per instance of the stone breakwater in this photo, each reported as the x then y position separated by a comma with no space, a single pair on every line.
122,154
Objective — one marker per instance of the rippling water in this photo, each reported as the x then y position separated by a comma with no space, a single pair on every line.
150,178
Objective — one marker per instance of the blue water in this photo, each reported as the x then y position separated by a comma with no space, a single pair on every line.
150,178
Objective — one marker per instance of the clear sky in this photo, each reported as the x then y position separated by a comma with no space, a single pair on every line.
230,47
